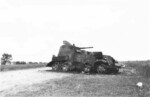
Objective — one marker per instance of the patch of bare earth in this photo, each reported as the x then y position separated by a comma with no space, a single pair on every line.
14,82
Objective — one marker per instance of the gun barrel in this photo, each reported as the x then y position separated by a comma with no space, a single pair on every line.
85,47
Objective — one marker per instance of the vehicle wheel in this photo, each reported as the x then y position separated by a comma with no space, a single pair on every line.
65,67
87,68
55,66
100,69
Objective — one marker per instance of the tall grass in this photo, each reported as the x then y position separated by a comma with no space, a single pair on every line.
142,67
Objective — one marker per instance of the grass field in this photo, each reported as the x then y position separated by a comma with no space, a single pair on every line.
142,67
95,85
20,66
121,85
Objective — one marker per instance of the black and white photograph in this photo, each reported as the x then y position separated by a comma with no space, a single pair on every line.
74,48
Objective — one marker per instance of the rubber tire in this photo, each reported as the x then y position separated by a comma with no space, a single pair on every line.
55,66
87,69
65,67
100,69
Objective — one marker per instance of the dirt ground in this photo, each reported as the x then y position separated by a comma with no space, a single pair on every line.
42,82
15,81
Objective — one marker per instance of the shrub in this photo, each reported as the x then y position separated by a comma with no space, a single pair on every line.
20,62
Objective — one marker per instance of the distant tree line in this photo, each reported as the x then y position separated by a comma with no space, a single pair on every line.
23,62
7,59
19,62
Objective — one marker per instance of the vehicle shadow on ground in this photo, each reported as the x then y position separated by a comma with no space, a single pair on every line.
78,72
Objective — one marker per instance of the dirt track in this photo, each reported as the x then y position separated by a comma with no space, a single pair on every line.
12,80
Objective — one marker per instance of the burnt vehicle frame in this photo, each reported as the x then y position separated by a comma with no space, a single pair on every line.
73,58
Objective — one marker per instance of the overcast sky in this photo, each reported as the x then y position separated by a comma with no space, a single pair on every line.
33,30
